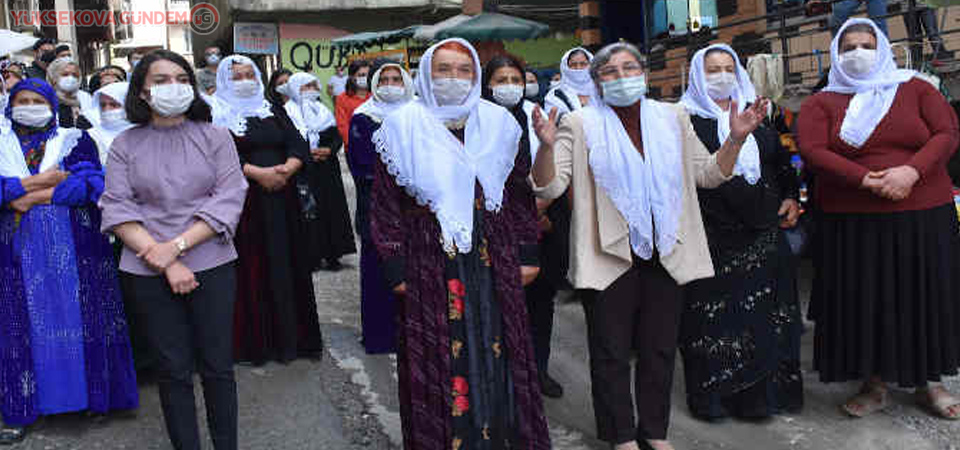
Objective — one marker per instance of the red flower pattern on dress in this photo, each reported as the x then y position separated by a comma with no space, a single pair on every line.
456,288
460,406
456,309
460,386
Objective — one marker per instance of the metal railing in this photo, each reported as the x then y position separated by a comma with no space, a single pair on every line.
783,24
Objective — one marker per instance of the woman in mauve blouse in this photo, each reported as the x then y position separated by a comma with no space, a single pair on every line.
884,297
174,194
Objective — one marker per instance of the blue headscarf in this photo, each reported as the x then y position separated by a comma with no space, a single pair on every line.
33,139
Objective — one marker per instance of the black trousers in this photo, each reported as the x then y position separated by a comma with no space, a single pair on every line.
540,308
186,333
638,315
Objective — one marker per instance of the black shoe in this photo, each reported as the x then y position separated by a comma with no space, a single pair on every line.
549,387
12,435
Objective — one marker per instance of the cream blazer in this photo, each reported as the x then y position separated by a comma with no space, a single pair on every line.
600,249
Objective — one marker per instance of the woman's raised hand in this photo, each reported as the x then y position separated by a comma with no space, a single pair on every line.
545,126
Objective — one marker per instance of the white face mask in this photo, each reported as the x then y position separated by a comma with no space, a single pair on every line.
859,61
451,91
554,84
391,94
310,95
361,82
624,91
113,119
507,95
579,76
171,99
32,115
281,89
69,84
245,88
213,59
531,90
720,85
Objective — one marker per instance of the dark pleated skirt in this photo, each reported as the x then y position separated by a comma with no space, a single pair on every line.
885,296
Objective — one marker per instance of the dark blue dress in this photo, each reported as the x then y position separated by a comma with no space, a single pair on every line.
378,312
64,344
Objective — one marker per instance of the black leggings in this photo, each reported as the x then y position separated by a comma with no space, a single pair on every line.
190,332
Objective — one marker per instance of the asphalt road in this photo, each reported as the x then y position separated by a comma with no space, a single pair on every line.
348,401
819,426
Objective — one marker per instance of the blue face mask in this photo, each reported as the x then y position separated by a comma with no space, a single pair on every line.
624,91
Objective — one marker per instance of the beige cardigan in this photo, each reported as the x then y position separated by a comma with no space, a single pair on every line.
600,249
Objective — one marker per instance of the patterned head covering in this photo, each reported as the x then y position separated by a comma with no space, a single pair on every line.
33,140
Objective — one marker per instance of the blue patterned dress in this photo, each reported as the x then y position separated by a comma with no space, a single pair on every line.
63,335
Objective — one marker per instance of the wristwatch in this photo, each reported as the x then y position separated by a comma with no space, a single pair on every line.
181,245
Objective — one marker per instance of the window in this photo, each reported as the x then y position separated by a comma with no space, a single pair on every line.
122,30
678,17
29,6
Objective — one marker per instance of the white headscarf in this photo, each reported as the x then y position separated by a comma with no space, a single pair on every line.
375,108
231,111
311,117
648,189
573,83
438,170
698,102
13,164
577,81
103,135
873,93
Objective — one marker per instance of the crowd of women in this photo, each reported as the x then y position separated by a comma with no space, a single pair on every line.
475,206
151,228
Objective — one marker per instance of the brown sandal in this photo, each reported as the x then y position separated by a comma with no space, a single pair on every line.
866,402
938,402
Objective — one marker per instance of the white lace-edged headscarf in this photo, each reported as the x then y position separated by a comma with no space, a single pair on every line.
375,107
230,110
439,171
697,101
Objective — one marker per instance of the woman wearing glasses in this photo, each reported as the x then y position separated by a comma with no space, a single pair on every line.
634,165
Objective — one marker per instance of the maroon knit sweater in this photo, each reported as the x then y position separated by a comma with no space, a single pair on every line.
920,130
